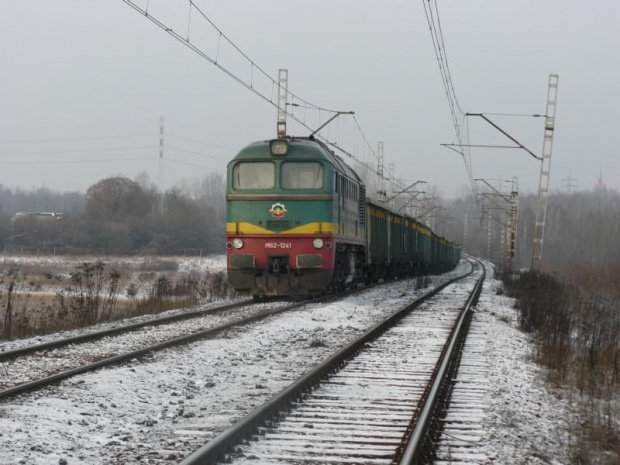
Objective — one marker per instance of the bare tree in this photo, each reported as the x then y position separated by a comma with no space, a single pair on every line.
116,199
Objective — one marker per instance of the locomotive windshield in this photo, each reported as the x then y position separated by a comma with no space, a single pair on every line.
254,175
302,175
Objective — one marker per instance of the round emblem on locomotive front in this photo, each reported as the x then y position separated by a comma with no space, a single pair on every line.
277,210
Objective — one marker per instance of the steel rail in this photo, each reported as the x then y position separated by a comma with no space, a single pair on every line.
9,354
118,330
42,382
29,386
223,444
413,450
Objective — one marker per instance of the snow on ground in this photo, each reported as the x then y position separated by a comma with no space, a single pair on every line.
208,262
38,365
212,263
161,407
19,343
43,277
525,422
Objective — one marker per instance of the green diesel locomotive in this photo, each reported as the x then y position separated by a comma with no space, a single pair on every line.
299,223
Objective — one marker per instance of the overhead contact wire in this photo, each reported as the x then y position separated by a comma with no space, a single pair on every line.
250,86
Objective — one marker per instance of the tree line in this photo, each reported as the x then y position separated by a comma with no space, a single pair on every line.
121,215
118,215
582,230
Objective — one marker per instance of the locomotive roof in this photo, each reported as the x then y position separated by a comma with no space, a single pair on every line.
299,149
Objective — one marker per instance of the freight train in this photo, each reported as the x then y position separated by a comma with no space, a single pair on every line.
299,224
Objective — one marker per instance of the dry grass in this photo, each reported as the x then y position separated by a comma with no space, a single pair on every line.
576,324
49,300
595,280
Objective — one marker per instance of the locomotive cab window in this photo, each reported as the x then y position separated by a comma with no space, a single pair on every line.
302,175
254,175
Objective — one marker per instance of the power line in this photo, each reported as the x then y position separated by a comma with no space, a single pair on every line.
117,123
62,152
75,139
251,82
364,137
193,164
47,162
467,157
256,73
443,46
457,114
222,35
258,81
191,152
195,141
442,61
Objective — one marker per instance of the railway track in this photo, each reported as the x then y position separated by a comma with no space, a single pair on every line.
460,429
34,367
370,403
95,335
29,370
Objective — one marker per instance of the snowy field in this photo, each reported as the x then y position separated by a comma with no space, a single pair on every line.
37,308
160,408
210,262
129,267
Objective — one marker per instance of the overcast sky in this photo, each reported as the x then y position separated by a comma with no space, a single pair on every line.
83,85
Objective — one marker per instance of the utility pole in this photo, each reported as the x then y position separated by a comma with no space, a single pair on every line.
465,225
514,217
381,187
569,186
545,172
502,247
160,174
282,102
489,233
496,199
392,181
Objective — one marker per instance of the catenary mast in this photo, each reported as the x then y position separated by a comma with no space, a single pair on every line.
545,171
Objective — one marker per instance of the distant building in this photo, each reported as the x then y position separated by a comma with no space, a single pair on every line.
28,225
44,216
600,185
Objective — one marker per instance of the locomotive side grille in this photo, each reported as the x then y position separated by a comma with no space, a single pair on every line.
362,206
278,224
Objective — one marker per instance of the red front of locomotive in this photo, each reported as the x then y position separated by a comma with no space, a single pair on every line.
280,264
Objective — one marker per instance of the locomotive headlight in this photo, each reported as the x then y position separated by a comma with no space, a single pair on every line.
317,243
237,243
279,147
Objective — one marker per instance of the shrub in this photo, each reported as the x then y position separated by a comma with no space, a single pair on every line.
92,295
576,332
